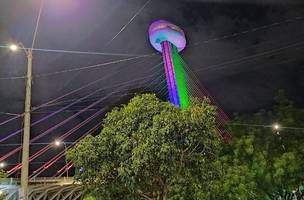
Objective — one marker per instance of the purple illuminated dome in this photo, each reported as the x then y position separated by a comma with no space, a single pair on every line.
162,30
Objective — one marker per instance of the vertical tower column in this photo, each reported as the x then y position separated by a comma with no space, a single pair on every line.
169,70
175,75
169,39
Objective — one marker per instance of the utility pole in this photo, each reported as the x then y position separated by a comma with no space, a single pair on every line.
27,112
58,143
27,126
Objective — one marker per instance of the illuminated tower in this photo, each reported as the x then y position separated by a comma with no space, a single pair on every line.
169,39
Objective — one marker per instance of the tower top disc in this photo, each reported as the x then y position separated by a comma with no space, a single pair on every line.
162,30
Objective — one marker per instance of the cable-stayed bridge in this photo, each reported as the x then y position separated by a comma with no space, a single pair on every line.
44,188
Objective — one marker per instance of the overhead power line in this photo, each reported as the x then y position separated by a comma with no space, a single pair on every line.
37,24
69,93
80,68
248,58
80,52
233,35
129,22
264,126
93,66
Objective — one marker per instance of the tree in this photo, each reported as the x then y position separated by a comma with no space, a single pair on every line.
149,149
3,176
262,163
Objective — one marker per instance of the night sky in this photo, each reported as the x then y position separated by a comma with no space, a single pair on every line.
242,51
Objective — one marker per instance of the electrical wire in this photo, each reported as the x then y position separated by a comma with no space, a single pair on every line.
61,154
51,114
129,22
65,168
10,114
72,100
37,24
57,125
56,99
80,52
35,155
32,144
43,150
201,89
79,68
32,163
264,126
92,130
90,52
93,66
247,31
249,58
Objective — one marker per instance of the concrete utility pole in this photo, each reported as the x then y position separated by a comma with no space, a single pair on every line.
27,120
27,126
27,110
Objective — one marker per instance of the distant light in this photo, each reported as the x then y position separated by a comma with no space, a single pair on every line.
57,142
13,47
294,191
1,192
2,165
276,126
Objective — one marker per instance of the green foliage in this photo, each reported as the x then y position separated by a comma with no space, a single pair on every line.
261,163
3,176
149,149
89,197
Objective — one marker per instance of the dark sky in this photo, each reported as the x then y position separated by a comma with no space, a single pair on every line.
242,51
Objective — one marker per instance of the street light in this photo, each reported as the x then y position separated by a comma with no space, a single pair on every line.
27,117
13,47
276,126
59,143
2,165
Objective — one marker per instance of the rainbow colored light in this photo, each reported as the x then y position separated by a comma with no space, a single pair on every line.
169,39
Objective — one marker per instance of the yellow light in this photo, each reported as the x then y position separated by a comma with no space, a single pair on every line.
13,47
276,126
2,165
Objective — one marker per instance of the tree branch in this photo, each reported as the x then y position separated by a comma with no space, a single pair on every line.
143,195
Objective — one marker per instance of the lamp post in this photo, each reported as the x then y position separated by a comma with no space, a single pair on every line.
58,143
27,119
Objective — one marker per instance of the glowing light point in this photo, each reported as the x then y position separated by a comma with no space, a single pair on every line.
13,47
57,142
276,126
2,165
169,39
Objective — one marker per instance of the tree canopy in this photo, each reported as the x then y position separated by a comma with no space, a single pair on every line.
3,176
149,149
261,162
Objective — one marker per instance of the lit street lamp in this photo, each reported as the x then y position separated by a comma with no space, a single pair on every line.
276,126
59,143
2,165
13,47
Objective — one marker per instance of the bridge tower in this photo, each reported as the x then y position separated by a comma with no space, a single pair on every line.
169,39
